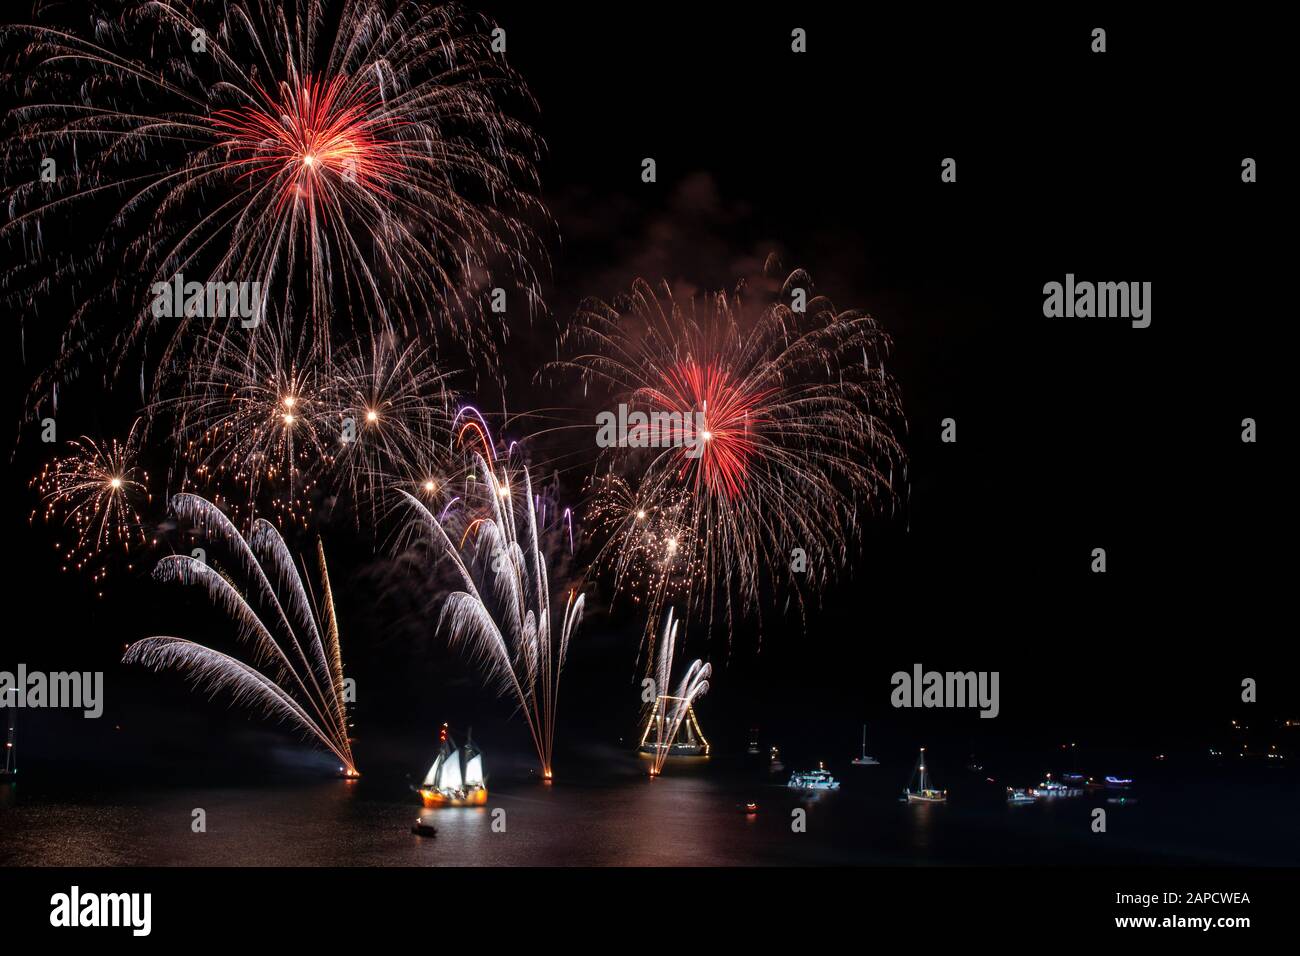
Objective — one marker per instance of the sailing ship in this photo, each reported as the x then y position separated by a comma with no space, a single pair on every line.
864,760
456,777
923,793
10,771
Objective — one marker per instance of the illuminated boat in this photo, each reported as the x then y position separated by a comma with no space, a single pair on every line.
774,764
688,741
923,793
451,783
1018,797
819,779
864,760
1054,788
1118,783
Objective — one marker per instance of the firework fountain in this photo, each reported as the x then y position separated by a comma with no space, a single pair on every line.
503,611
296,674
666,714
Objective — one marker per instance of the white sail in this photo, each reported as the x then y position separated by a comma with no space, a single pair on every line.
431,778
474,771
450,779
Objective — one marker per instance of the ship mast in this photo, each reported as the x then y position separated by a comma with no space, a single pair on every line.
11,741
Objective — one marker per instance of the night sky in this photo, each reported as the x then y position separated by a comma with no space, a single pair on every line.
1071,434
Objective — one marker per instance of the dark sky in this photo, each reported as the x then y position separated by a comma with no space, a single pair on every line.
1072,435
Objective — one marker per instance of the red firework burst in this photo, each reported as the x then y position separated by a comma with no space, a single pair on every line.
731,420
318,137
353,162
768,433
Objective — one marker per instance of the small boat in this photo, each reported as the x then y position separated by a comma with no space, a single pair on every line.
923,793
754,749
774,763
819,779
864,760
1054,788
9,772
1118,783
749,809
423,828
1016,797
448,783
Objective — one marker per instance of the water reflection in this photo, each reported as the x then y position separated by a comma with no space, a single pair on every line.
681,818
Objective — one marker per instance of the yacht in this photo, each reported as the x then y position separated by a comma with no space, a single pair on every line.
923,792
1055,788
819,779
864,760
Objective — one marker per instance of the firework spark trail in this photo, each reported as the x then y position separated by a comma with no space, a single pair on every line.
304,687
213,672
398,404
664,719
352,156
503,614
276,423
94,490
797,435
648,547
255,419
263,551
